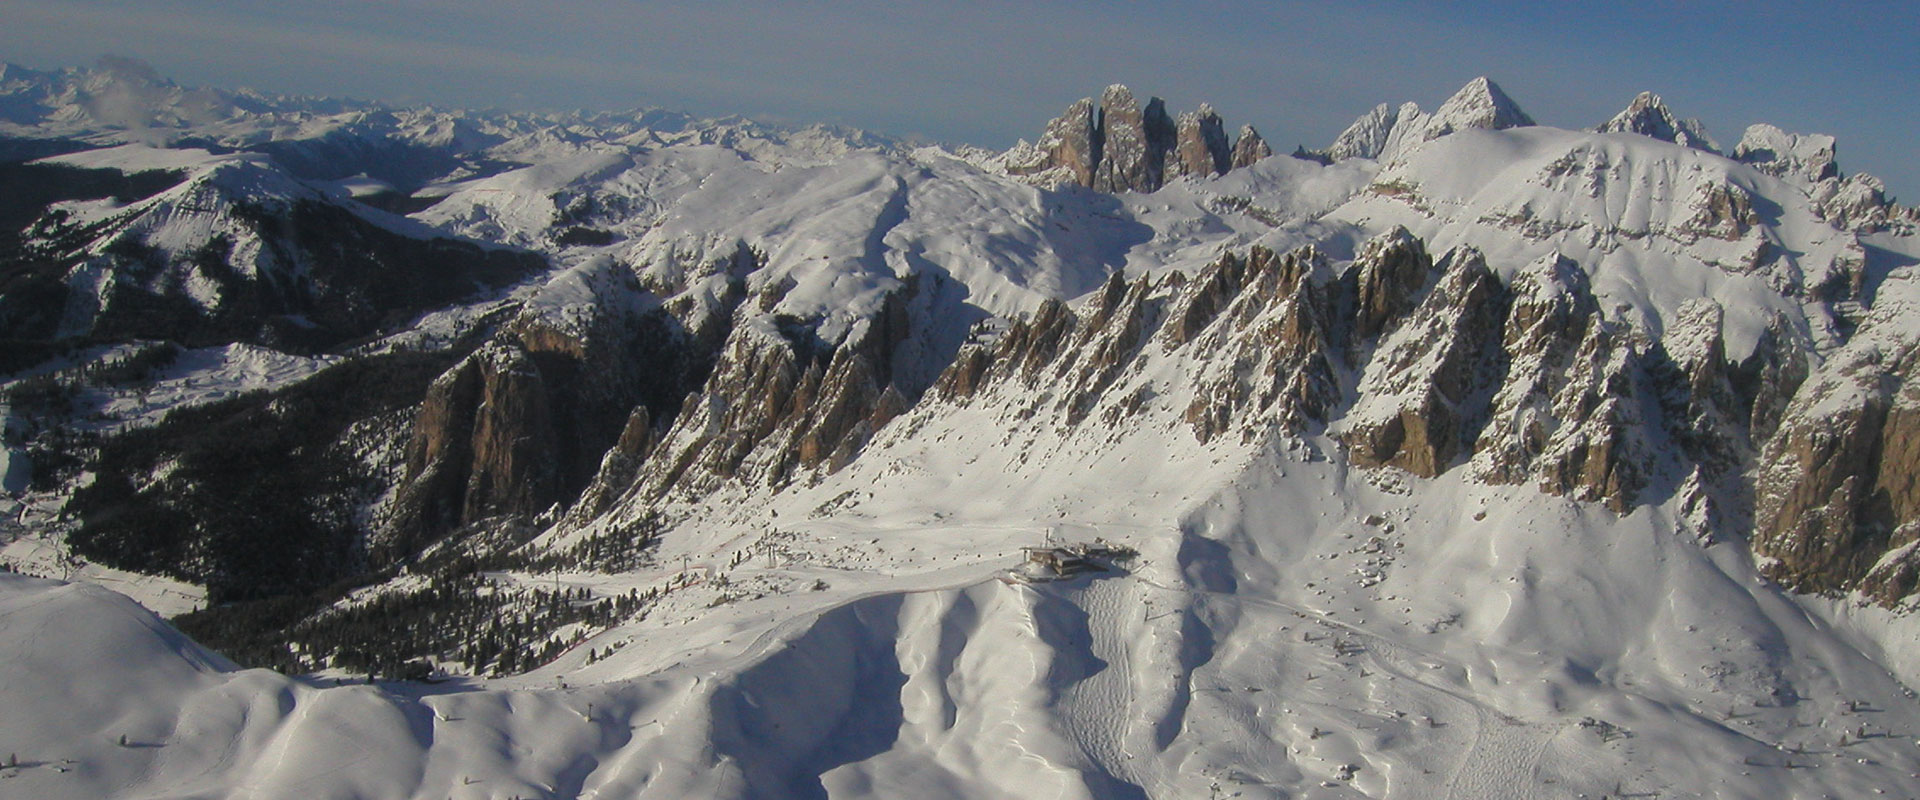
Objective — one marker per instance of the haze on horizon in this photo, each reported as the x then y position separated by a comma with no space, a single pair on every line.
994,72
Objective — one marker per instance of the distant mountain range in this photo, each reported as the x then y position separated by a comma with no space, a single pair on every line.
1462,457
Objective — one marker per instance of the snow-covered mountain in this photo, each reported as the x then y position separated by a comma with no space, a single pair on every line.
1465,457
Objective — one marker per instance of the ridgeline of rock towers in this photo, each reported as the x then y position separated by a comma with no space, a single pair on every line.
1119,146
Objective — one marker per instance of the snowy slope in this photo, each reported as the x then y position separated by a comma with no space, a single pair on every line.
1294,625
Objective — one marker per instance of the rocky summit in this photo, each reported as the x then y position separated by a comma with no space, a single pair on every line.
640,455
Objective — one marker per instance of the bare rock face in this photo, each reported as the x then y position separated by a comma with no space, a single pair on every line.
1601,451
1200,145
1031,344
1838,488
432,497
1857,203
1118,145
1249,148
1569,416
780,400
1071,144
1767,380
1648,115
618,467
1704,412
557,406
1271,337
1896,576
1137,140
1106,345
513,459
1387,276
1816,521
1425,392
963,378
482,447
1721,211
1254,330
1553,306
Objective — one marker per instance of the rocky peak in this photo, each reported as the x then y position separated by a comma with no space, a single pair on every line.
1387,130
1369,136
1857,203
1807,159
1648,115
1070,146
1424,393
1118,145
1200,145
1249,148
1136,142
1386,277
1479,104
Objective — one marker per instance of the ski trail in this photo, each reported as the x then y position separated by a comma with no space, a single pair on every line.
1094,712
1501,763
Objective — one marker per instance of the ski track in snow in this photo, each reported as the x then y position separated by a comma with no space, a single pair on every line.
1501,763
1095,711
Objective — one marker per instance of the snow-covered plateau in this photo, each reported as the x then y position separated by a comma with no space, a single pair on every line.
364,452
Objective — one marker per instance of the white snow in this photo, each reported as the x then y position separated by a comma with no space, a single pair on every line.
1292,627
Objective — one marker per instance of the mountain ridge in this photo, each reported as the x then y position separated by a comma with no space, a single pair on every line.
1582,451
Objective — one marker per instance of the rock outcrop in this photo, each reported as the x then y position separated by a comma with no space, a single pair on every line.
1859,203
1385,282
1070,146
1838,488
1249,148
780,400
1274,368
1118,145
557,406
482,447
1200,145
1806,159
1648,115
1424,393
1385,131
1135,142
1553,308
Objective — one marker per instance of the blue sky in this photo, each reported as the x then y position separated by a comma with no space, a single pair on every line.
989,72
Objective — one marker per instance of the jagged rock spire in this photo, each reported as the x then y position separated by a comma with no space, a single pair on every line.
1249,148
1119,145
1200,145
1136,141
